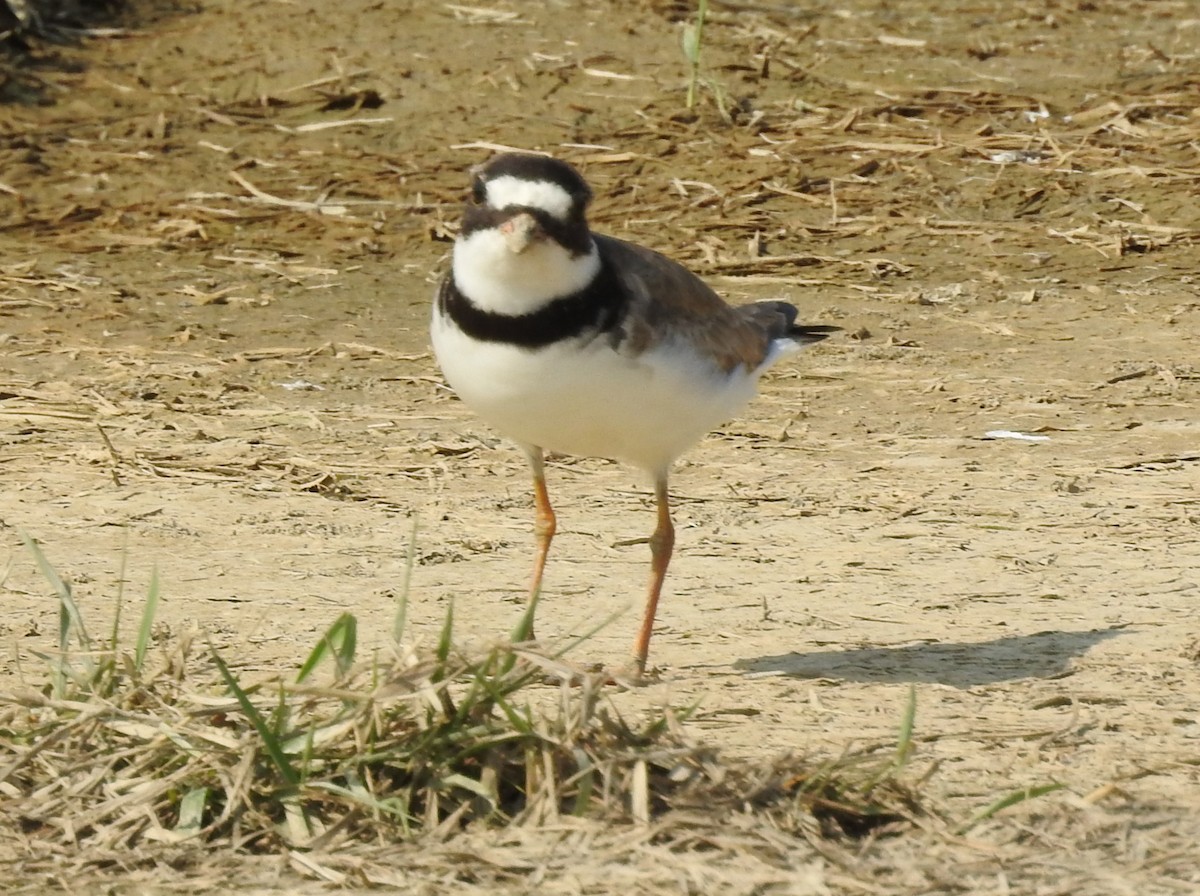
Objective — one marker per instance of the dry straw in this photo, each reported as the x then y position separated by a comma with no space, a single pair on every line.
165,744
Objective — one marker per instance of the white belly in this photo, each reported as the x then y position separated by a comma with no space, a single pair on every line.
587,399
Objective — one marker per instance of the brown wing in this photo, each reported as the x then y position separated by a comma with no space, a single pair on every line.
667,301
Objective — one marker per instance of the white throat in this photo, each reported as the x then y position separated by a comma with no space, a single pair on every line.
496,279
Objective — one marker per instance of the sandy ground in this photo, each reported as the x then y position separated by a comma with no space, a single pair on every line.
218,242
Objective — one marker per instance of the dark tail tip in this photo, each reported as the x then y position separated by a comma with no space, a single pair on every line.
810,333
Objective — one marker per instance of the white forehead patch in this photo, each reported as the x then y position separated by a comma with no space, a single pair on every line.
506,191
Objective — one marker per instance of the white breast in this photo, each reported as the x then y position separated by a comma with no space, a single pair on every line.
586,398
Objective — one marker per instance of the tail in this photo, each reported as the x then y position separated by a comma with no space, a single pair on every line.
807,334
779,320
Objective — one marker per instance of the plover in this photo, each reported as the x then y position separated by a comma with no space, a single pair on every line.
568,341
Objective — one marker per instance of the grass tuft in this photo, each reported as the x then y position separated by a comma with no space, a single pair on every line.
174,746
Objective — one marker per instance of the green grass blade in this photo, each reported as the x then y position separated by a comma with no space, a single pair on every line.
306,757
462,782
114,638
340,642
693,41
395,807
571,644
446,639
146,627
905,746
1005,802
69,618
585,778
280,718
522,632
439,672
524,629
499,690
401,619
271,742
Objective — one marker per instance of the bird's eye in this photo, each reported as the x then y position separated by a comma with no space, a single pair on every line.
478,191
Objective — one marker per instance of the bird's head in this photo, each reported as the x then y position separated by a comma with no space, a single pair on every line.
528,198
524,237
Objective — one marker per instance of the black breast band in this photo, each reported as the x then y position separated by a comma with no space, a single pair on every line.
597,308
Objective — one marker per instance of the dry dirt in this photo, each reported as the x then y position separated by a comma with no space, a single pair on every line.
219,234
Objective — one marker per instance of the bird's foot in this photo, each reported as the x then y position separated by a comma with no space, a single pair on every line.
639,676
597,675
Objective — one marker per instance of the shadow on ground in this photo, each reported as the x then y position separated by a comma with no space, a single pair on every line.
44,43
961,665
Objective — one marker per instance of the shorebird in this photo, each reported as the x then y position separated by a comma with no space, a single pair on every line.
568,341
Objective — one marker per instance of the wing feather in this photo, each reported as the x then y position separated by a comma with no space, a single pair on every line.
666,301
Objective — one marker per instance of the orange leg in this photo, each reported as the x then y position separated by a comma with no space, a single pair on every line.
662,542
544,527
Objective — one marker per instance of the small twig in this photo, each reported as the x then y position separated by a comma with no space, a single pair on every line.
319,207
1136,374
326,125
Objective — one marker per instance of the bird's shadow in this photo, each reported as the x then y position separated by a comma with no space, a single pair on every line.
958,664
